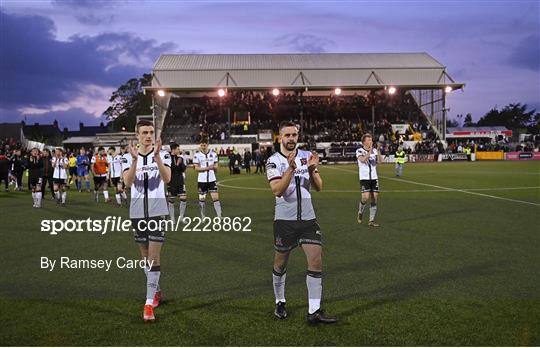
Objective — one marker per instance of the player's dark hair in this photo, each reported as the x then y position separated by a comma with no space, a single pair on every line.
112,148
174,146
287,124
143,123
100,148
204,140
365,136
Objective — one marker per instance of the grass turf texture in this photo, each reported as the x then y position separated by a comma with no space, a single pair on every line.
446,267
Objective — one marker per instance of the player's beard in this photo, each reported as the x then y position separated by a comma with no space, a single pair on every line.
290,146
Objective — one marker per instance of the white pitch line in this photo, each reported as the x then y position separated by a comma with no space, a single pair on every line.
445,188
221,183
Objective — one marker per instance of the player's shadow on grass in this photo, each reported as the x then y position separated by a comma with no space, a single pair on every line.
408,289
255,289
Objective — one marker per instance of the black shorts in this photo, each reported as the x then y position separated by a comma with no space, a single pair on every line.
176,189
115,181
144,232
288,234
35,181
99,180
59,181
205,187
72,171
369,185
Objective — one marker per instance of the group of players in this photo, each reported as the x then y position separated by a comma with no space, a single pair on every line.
147,170
291,173
59,169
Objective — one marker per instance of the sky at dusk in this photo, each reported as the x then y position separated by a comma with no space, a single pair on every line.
62,59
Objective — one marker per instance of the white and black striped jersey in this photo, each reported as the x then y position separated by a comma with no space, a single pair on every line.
367,170
148,189
205,160
115,163
59,172
295,204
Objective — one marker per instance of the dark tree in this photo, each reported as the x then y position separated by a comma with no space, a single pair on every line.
512,116
127,102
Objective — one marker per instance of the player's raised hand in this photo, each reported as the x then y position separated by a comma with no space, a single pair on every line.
291,159
157,148
133,150
313,161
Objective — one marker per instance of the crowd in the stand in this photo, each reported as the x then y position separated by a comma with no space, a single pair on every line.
321,119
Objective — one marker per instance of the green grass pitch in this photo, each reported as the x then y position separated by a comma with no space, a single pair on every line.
455,262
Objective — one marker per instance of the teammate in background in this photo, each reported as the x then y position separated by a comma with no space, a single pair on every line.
177,187
100,167
35,173
206,164
83,162
48,171
146,171
72,169
4,170
291,172
115,173
400,160
60,167
367,158
17,168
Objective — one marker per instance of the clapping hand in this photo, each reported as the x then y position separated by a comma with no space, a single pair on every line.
313,161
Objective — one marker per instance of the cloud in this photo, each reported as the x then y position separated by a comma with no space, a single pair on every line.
92,99
304,43
93,19
526,53
41,74
85,4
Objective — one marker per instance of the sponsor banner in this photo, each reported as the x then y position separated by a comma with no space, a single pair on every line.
453,157
518,156
489,155
421,158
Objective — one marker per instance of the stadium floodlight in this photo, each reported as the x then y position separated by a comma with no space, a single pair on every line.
221,92
448,89
275,92
337,91
161,92
392,90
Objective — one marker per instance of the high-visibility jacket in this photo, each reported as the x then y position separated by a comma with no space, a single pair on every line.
400,157
101,165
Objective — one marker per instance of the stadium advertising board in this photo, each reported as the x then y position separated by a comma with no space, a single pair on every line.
519,156
453,157
490,155
421,158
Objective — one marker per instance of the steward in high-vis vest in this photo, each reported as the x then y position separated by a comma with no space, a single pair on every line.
400,161
468,152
